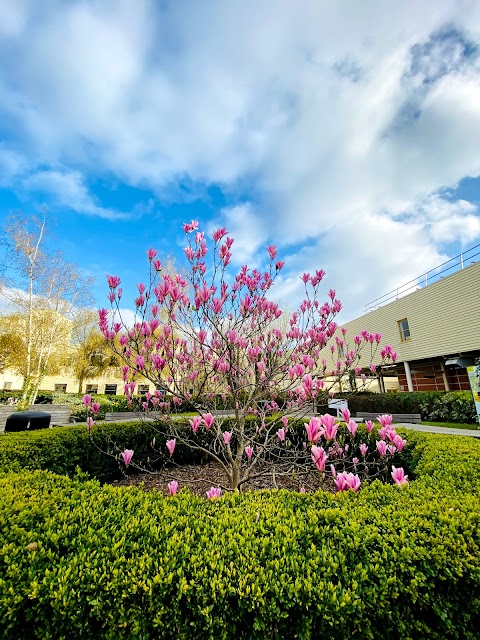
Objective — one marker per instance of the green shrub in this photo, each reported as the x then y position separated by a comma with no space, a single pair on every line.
455,406
64,449
83,561
450,407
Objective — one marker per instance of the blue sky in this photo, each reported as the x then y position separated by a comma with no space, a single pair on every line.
346,133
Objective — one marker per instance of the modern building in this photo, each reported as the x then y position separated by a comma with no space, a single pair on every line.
110,383
435,330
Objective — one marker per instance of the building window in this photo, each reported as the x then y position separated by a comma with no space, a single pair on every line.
7,386
61,388
91,388
143,388
111,389
404,330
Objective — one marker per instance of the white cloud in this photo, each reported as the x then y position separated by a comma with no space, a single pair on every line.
68,190
11,165
340,122
245,225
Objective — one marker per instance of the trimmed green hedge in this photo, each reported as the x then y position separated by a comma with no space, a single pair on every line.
454,406
66,449
78,560
63,450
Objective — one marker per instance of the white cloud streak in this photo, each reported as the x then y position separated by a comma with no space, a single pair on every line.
343,123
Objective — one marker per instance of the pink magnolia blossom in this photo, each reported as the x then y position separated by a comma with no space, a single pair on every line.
314,429
95,408
113,281
345,415
382,447
303,490
319,457
369,425
90,423
399,442
341,481
195,422
204,334
151,253
172,487
87,400
346,481
330,428
219,234
352,426
363,449
391,434
189,228
385,420
383,432
208,420
272,252
398,475
170,444
391,449
127,456
214,492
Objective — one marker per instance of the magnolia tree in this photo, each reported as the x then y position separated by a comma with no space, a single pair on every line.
210,339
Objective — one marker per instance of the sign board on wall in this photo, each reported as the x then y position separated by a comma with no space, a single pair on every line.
475,386
338,405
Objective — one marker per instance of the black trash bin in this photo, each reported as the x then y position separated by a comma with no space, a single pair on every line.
27,420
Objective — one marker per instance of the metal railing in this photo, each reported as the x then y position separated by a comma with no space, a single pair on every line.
457,263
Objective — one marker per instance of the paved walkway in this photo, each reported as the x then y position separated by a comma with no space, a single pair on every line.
425,428
474,433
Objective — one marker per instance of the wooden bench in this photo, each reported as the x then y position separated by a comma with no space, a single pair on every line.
5,411
396,417
123,416
61,413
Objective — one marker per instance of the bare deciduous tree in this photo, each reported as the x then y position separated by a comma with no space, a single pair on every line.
46,289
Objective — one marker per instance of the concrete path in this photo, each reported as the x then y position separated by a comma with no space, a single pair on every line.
425,428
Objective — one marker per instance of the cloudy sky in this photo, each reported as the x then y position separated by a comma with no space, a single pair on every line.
347,133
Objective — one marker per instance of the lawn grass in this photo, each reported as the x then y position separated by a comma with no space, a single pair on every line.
451,425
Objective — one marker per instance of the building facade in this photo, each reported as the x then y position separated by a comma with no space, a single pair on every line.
435,331
110,383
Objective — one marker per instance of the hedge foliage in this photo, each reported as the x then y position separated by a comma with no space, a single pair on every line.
451,406
81,560
63,450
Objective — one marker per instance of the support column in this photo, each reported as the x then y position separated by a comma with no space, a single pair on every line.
381,383
409,376
444,374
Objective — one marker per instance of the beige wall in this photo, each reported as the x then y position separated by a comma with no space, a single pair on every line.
48,383
444,318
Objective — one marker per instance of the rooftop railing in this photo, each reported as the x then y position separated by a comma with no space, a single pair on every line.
457,263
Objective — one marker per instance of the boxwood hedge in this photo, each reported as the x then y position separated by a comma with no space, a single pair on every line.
82,560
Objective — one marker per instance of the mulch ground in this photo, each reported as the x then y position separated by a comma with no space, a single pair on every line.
199,479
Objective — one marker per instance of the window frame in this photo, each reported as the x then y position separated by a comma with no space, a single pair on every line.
111,393
90,390
143,388
402,331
